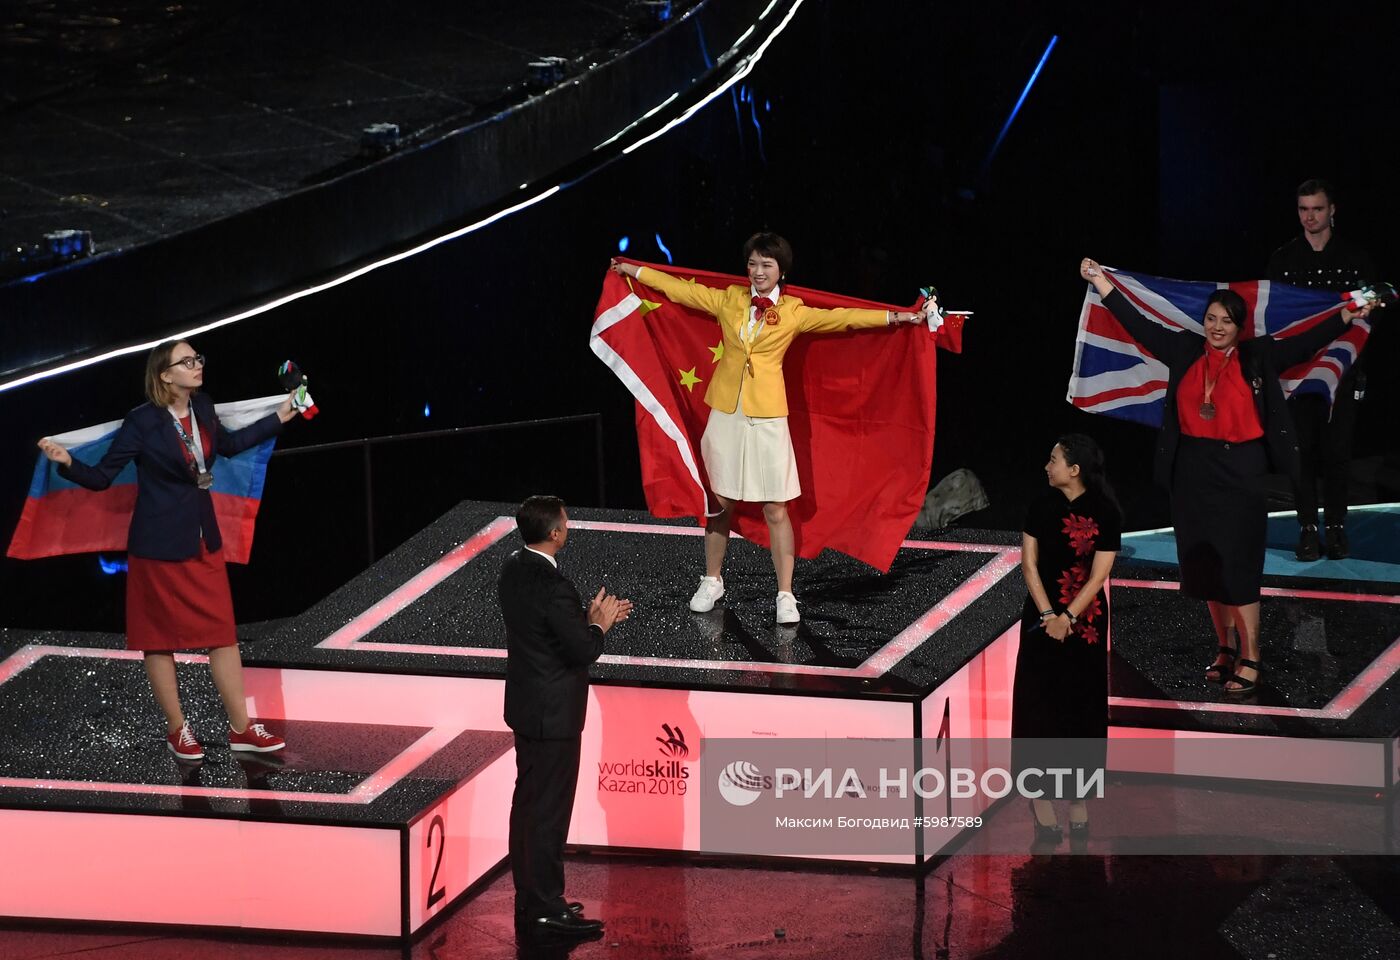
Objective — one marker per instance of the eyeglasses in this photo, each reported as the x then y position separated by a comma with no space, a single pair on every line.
189,363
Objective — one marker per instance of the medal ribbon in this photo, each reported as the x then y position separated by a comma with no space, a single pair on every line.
1209,383
192,443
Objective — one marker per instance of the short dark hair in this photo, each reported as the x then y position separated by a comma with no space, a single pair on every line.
1316,185
1232,302
538,516
770,245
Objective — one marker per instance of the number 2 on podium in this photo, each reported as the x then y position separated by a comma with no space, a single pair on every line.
436,895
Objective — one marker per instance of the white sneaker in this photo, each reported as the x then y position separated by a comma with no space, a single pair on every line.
710,590
787,609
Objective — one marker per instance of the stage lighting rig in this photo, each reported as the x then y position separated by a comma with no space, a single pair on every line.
65,245
54,250
651,13
546,72
380,139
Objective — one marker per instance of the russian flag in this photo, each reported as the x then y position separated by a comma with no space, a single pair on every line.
61,517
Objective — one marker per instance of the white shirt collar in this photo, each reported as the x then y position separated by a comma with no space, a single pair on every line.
773,294
552,562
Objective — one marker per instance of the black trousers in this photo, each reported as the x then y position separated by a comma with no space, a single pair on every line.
1324,448
546,776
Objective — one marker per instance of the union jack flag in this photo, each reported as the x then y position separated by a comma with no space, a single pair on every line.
1115,376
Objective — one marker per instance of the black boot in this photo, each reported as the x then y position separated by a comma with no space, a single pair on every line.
1309,549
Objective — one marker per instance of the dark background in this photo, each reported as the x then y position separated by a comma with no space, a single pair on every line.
1165,139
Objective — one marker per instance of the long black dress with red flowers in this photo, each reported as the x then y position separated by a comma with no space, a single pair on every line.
1061,688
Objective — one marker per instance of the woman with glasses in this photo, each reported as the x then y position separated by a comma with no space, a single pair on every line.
177,592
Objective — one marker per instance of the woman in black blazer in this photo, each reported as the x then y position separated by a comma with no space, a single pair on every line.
177,593
1224,424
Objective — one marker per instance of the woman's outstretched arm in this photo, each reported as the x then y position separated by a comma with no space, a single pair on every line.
687,293
1159,341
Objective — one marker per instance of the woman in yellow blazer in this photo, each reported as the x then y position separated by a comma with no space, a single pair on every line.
746,446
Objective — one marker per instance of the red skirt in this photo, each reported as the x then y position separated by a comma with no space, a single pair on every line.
179,604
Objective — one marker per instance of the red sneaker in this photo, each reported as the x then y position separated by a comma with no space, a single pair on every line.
183,744
255,739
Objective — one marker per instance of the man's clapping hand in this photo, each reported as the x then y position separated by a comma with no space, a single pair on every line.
606,610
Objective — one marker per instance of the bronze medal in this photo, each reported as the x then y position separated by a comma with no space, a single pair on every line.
205,480
1207,410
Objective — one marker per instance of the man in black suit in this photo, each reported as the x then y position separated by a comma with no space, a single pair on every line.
550,642
1320,259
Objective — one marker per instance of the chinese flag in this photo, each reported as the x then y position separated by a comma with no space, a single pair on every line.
861,414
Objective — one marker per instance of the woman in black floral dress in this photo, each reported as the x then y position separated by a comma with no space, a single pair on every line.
1070,539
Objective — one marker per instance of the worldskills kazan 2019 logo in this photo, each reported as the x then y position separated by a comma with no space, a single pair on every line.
674,744
666,777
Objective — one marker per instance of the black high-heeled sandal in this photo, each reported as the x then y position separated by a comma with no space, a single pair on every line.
1221,672
1245,686
1044,833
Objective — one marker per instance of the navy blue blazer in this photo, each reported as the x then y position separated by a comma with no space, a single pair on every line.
171,511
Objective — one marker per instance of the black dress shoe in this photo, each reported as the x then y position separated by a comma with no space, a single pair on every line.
567,922
1309,548
573,906
1337,546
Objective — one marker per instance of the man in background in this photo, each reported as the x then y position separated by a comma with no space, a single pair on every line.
1321,259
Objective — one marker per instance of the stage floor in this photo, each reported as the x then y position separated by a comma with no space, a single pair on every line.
1373,529
1331,645
83,734
390,694
430,607
1331,652
372,821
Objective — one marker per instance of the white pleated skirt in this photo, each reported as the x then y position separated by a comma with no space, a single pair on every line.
750,458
